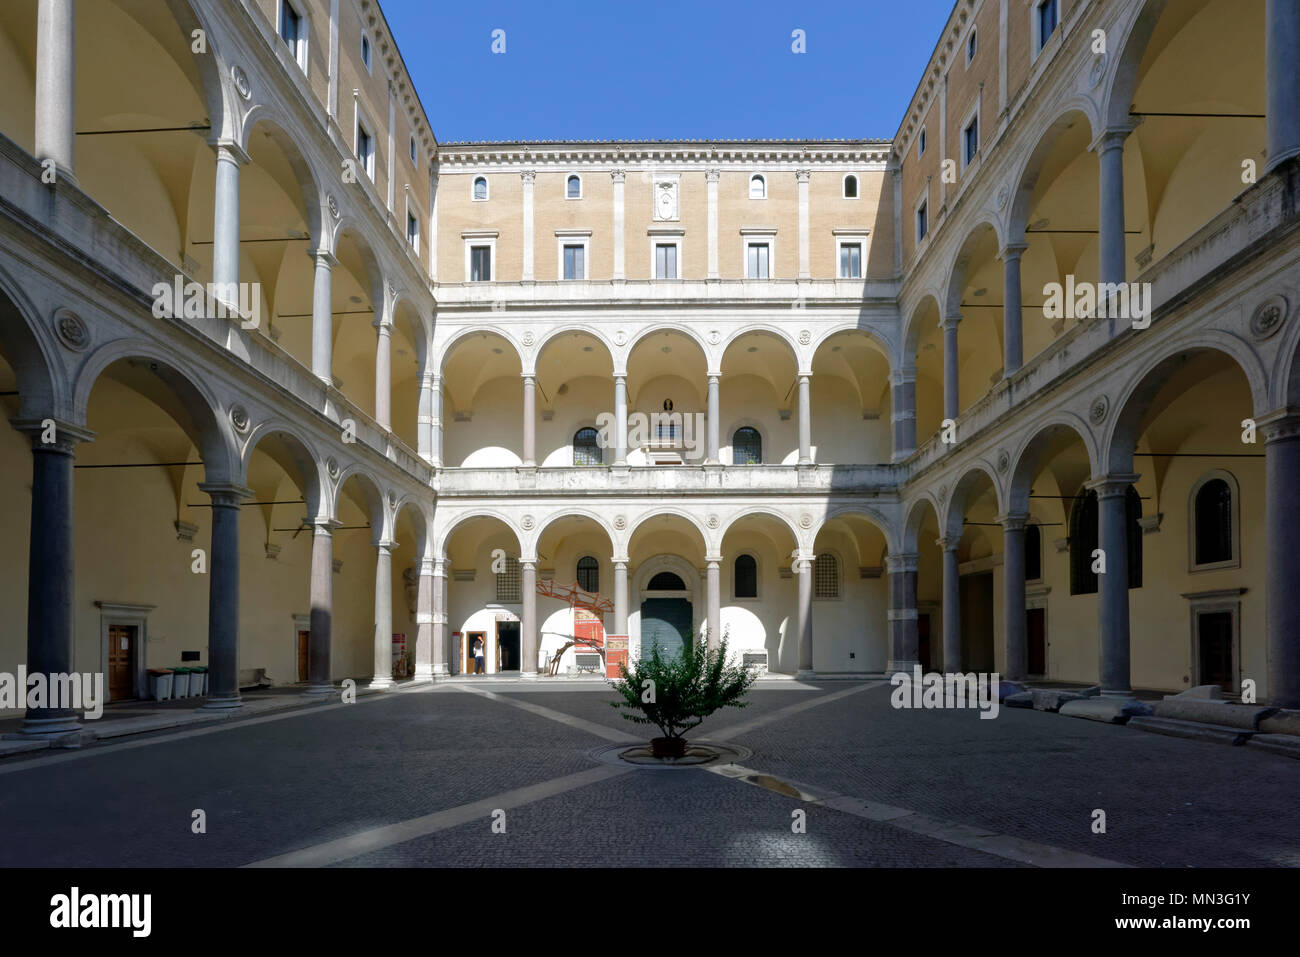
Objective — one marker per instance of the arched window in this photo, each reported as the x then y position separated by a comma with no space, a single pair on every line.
586,447
850,187
745,582
666,581
1212,518
589,574
757,187
573,187
747,447
826,576
1033,553
480,187
1084,540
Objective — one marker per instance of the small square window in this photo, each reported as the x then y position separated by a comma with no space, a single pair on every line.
850,260
575,264
759,261
480,264
665,260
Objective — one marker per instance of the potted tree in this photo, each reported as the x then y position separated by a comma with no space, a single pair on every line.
676,694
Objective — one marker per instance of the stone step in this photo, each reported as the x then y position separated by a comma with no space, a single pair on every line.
1287,744
1193,730
1106,710
1242,716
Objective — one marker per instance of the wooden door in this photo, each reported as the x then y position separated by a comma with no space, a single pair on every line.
121,662
1214,634
304,640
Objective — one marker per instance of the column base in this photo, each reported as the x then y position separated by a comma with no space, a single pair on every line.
529,675
906,666
225,703
441,671
380,683
802,673
319,690
1117,693
423,673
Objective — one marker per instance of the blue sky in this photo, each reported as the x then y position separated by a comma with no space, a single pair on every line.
671,69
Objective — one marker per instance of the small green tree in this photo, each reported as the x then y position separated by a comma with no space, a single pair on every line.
676,694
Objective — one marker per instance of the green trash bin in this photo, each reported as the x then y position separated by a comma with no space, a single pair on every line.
160,683
198,680
180,682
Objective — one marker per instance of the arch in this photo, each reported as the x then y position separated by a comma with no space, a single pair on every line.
772,331
876,337
871,515
686,330
175,388
959,267
1142,388
912,329
688,573
457,338
750,512
214,87
915,517
308,178
291,452
1117,95
443,536
975,470
595,517
549,337
661,511
359,236
25,344
413,322
372,493
1028,458
1026,175
421,524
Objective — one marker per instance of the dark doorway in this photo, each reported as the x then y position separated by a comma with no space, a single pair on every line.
1037,627
976,622
665,622
923,641
304,639
508,656
1214,640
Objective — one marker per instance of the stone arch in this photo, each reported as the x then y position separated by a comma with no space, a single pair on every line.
1028,457
873,516
375,503
27,347
775,332
1117,94
549,337
216,85
683,328
307,176
175,388
450,344
954,518
1025,176
422,523
1134,399
443,536
915,516
710,546
570,512
912,331
781,518
293,453
950,304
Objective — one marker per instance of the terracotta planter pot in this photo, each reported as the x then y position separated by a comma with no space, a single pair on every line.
668,747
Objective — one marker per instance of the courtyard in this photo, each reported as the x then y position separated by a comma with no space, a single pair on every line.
502,772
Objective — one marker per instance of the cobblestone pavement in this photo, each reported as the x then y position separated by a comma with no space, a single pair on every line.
413,778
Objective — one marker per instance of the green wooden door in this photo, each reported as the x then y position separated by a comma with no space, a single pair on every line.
665,622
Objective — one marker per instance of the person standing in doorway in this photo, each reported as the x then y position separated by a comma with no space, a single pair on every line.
478,656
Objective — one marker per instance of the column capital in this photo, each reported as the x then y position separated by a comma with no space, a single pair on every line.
1108,486
1280,424
528,564
229,150
618,175
384,546
712,175
322,526
527,176
713,561
620,378
948,544
323,257
1012,251
902,562
440,568
225,494
528,377
1013,521
620,561
65,438
714,378
805,377
902,375
803,175
950,321
1112,137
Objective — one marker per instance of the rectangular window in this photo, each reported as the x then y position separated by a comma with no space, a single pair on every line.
922,222
413,231
293,33
971,139
759,261
508,586
850,260
1046,21
826,577
480,264
575,266
665,260
365,52
366,150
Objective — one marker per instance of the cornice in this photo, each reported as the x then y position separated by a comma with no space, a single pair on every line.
860,153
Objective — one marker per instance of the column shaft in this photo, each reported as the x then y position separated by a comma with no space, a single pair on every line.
620,420
322,319
1110,195
1113,618
904,646
530,424
711,177
223,597
805,421
383,616
1282,79
714,414
619,177
50,593
803,615
56,85
424,623
528,625
435,425
713,602
225,244
1012,324
903,412
951,397
620,598
1016,665
440,617
384,376
803,177
1282,608
951,609
320,641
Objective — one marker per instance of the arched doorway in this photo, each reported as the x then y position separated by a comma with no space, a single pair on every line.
666,615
